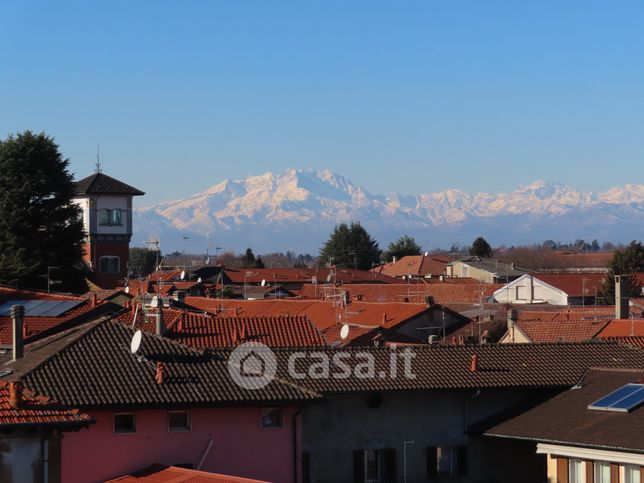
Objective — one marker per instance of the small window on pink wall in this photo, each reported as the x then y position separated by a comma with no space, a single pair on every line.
178,421
124,423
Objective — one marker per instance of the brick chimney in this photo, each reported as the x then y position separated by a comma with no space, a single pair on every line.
621,297
160,326
160,375
15,394
94,300
474,366
17,323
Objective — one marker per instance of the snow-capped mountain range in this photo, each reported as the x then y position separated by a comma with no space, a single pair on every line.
297,209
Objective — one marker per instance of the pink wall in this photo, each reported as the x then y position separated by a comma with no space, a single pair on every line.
240,447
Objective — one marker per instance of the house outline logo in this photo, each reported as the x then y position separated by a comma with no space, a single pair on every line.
252,365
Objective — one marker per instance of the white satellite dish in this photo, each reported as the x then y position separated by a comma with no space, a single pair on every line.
183,274
263,283
136,342
199,280
426,254
154,302
344,332
328,278
127,289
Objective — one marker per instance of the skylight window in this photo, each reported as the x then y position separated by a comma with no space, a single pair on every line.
623,400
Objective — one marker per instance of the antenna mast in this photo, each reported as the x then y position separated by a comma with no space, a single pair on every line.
98,159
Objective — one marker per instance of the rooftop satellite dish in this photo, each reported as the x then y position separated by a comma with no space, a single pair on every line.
154,302
344,332
263,283
183,274
127,289
426,254
136,342
328,278
199,280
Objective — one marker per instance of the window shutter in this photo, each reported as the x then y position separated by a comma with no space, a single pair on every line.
461,460
390,465
614,473
358,466
431,461
562,470
590,474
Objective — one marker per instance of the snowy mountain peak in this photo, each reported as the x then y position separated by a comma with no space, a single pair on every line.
296,204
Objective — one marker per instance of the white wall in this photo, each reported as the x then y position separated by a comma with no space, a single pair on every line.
530,290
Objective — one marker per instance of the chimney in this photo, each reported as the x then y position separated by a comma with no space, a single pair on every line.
15,394
94,301
346,297
394,260
160,375
474,366
17,322
621,297
179,296
512,318
160,327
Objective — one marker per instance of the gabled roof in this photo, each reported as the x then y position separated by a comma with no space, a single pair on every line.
276,276
322,313
209,331
449,367
36,411
418,265
102,184
623,328
92,367
574,284
576,330
441,292
571,423
490,265
174,474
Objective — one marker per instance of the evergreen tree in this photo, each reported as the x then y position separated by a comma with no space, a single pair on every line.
41,231
481,248
625,262
143,261
248,259
350,246
405,245
259,263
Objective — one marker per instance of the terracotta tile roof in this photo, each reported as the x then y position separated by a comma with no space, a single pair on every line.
417,265
36,327
302,275
635,341
554,312
139,287
570,422
10,293
322,313
574,284
448,367
576,330
491,330
173,474
205,330
92,367
441,293
36,411
623,328
100,183
583,259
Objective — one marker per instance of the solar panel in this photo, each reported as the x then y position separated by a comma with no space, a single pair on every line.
40,308
624,399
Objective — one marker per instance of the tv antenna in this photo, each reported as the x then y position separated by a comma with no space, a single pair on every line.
98,159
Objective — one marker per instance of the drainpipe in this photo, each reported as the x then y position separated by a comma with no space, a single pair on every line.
45,460
17,324
405,443
294,424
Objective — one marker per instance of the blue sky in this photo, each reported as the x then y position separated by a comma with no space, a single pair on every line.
398,96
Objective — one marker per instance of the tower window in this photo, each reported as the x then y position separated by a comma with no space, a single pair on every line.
110,264
109,217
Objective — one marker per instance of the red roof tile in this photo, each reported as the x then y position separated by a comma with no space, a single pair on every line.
36,411
441,293
418,265
636,341
303,275
623,328
574,284
576,330
173,474
322,313
209,331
